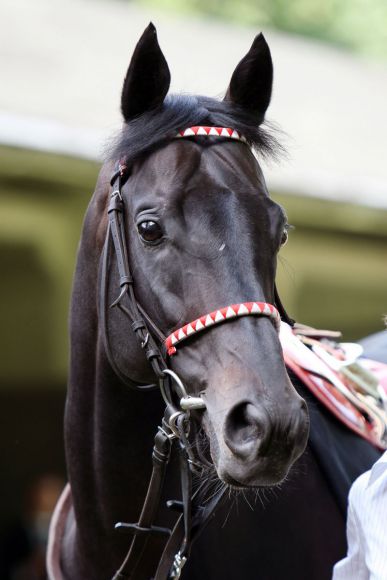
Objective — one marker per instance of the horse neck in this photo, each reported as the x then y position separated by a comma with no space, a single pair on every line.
109,431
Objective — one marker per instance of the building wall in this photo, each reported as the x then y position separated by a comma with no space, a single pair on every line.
333,272
42,202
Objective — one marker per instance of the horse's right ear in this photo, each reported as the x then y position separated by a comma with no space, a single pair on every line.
252,80
148,78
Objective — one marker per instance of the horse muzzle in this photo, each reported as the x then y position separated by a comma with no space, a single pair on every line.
256,445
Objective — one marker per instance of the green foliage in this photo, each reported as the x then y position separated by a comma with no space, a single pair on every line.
359,25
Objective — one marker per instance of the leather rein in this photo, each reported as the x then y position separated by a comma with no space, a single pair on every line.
175,425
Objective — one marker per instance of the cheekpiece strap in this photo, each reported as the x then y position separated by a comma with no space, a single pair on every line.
219,316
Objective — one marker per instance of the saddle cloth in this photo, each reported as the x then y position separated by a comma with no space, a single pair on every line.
353,388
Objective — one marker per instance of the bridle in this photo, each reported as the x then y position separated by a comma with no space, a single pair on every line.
175,425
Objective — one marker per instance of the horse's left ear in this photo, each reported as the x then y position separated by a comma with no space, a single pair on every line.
148,78
252,80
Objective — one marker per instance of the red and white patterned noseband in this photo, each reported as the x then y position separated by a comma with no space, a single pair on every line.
219,316
201,131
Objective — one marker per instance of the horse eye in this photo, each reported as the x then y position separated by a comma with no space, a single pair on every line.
284,238
150,231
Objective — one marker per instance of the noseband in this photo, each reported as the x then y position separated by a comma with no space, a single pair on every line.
219,316
175,425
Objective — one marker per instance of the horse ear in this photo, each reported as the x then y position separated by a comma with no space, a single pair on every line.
251,82
148,78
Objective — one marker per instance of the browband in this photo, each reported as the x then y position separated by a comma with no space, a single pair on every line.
195,131
219,316
200,130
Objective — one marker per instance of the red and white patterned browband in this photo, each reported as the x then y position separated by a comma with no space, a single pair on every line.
211,132
200,131
219,316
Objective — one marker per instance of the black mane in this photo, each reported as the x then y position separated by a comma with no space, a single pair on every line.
155,128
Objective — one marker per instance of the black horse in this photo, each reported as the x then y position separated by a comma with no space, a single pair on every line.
202,233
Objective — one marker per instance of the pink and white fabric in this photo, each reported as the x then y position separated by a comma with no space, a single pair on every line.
330,388
219,316
202,131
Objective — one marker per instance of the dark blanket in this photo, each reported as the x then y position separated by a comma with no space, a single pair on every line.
341,454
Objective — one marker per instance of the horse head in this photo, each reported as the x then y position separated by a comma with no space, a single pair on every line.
202,233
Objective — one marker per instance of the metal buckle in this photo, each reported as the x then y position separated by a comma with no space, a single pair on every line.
177,566
171,436
116,192
172,423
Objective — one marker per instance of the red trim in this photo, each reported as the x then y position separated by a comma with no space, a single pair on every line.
204,131
219,316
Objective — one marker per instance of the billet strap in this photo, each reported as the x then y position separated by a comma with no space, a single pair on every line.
219,316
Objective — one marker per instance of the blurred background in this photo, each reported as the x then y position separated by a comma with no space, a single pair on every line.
63,64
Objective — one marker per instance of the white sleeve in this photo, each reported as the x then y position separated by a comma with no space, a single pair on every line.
354,564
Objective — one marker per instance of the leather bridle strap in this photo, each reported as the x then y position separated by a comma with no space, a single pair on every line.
281,309
140,321
172,561
168,431
144,527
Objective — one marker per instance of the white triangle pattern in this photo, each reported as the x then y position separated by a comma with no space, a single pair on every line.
211,131
190,330
230,312
242,309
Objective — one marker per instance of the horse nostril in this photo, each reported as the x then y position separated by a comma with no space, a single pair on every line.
244,429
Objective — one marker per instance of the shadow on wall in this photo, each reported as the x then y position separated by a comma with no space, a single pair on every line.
33,477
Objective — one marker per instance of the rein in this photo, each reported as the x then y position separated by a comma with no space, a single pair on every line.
175,425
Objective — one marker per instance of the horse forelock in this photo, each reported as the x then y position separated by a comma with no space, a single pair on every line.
155,128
